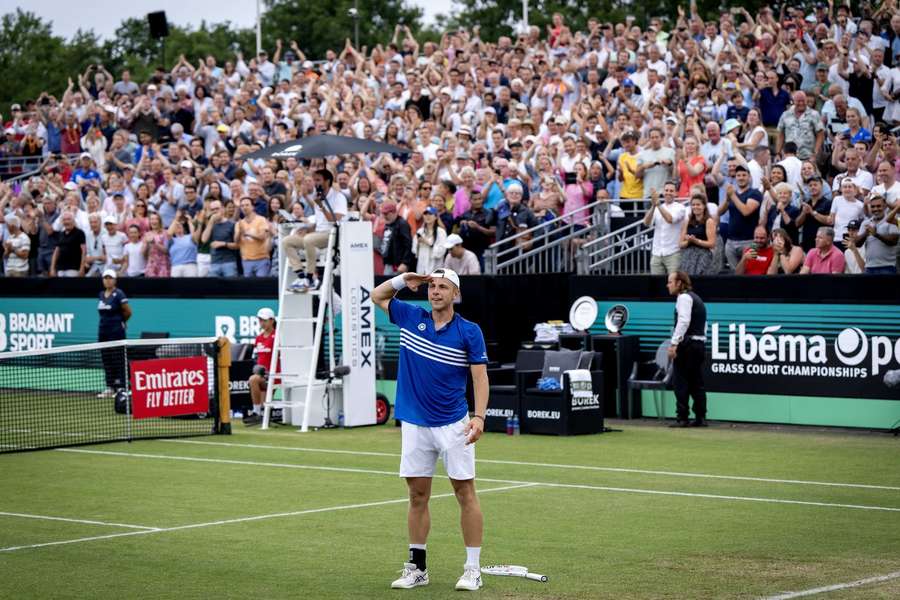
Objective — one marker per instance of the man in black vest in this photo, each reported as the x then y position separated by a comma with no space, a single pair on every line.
688,350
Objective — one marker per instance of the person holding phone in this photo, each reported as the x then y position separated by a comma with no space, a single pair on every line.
758,257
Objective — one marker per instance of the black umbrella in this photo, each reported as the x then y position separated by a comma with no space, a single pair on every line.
320,146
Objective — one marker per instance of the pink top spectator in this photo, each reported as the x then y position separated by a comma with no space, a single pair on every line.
831,262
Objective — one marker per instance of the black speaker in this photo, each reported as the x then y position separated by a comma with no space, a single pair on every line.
159,27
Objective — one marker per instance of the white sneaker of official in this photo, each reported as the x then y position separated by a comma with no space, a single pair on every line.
470,580
410,577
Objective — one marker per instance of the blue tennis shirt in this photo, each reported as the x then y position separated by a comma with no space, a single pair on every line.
434,365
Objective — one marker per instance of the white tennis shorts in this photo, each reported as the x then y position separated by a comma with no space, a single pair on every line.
422,446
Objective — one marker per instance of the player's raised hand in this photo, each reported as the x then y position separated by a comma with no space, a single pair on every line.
414,280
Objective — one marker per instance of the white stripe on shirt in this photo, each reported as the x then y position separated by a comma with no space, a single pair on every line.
436,348
425,354
408,343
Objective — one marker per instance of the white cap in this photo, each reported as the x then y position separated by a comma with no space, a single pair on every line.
110,273
265,313
452,240
71,186
446,90
447,274
109,219
86,155
186,164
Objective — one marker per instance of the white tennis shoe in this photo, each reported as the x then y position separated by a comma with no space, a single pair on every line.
470,580
410,577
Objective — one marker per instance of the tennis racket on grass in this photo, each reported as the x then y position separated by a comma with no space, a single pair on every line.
512,571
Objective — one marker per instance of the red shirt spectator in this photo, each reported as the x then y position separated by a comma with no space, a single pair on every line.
757,258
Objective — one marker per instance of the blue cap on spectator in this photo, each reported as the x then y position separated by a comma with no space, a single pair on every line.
431,211
627,83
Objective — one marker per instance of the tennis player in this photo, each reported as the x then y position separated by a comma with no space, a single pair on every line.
437,350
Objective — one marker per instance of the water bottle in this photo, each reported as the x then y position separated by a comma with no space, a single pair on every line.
509,426
516,430
341,418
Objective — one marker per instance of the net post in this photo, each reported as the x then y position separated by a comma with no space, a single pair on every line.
223,378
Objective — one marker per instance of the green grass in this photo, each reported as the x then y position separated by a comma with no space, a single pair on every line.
591,542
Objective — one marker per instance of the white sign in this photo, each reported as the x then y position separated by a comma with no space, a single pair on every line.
358,323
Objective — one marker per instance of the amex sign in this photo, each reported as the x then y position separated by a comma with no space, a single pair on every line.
169,387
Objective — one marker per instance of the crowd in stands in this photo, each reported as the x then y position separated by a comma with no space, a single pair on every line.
753,144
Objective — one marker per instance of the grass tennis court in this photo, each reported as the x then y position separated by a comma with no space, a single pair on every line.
277,514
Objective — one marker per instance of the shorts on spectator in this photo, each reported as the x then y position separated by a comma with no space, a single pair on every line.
665,265
422,446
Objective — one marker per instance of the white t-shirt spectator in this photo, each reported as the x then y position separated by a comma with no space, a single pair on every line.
137,264
665,234
851,267
845,211
792,165
114,246
891,194
14,262
863,180
338,203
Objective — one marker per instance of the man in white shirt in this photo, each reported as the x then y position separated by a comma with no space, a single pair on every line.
113,243
888,187
792,165
458,258
95,257
759,167
15,249
855,173
666,219
330,207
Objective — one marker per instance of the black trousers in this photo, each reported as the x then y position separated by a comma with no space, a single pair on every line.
687,379
113,360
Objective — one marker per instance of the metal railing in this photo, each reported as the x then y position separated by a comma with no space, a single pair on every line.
548,247
18,167
625,251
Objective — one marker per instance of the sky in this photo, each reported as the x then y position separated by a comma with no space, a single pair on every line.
68,16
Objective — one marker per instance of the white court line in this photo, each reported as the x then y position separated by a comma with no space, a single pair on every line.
509,481
835,587
554,466
67,520
246,519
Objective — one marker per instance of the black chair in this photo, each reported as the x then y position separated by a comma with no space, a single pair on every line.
654,375
559,412
507,385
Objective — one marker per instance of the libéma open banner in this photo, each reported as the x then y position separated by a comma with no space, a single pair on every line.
169,387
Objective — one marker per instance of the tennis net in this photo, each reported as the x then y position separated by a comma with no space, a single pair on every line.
113,391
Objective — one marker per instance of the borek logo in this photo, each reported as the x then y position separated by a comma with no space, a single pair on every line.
852,348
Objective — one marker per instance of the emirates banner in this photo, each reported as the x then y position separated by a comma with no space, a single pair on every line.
169,387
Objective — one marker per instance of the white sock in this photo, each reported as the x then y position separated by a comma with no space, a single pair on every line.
473,557
418,546
257,409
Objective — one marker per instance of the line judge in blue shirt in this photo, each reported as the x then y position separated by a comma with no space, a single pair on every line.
437,350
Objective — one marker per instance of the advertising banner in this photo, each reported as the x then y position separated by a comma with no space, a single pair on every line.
169,387
832,350
358,323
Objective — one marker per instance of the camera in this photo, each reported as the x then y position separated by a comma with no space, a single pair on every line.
570,178
352,12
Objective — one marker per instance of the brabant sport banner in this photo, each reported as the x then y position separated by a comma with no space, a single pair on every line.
169,387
